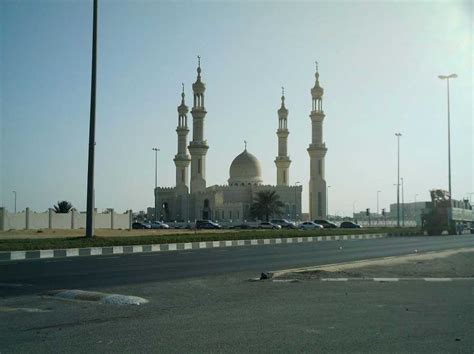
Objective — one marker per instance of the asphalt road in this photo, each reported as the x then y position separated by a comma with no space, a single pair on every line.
201,301
119,270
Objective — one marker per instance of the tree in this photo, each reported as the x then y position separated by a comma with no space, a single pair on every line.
265,204
63,207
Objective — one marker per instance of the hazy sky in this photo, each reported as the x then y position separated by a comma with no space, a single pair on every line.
379,63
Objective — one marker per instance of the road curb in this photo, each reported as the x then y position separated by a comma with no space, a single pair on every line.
103,298
169,247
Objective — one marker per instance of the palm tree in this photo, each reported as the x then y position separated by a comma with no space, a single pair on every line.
63,207
265,204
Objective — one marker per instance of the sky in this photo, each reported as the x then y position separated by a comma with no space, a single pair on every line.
379,63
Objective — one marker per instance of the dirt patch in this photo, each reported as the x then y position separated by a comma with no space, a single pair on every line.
446,264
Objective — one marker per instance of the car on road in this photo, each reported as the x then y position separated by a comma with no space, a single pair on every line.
207,224
141,225
350,225
285,224
309,225
243,227
269,225
326,223
159,225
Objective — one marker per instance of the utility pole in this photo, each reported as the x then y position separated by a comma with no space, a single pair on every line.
296,208
398,135
447,77
14,192
327,200
90,169
403,205
156,180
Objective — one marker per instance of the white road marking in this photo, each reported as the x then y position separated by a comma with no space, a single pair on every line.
334,279
437,279
386,279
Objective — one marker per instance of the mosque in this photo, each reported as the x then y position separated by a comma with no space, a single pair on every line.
192,199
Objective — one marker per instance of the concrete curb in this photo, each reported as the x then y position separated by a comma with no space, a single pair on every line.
110,250
103,298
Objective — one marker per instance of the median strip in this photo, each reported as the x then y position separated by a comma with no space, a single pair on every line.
108,250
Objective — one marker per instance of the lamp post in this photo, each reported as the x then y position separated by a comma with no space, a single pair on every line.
378,192
403,204
90,167
416,209
447,77
296,208
398,135
327,201
156,178
14,192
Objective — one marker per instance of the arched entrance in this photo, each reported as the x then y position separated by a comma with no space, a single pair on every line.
206,210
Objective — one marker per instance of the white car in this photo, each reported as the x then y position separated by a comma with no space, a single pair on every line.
159,225
309,225
269,225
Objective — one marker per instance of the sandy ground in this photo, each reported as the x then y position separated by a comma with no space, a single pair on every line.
55,233
450,264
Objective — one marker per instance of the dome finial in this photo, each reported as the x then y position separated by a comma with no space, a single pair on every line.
245,143
317,72
199,66
182,92
282,97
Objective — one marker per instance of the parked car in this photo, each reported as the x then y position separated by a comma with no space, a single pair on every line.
285,224
326,223
207,224
159,225
243,227
141,225
309,225
269,225
350,225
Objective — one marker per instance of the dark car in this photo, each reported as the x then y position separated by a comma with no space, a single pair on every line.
326,223
141,225
244,227
350,225
207,224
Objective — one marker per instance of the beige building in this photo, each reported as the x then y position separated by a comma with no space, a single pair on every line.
192,199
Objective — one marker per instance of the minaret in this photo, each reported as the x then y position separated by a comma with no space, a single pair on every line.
317,151
198,147
181,159
282,161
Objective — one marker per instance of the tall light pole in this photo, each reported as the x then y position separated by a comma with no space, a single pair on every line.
296,208
327,201
14,192
156,178
447,77
416,210
403,205
90,168
378,192
398,135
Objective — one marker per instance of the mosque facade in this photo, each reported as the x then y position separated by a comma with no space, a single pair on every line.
191,199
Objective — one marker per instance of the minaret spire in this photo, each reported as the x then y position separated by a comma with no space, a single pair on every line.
317,152
282,161
198,146
181,159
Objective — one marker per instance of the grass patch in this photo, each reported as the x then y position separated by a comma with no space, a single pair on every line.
83,242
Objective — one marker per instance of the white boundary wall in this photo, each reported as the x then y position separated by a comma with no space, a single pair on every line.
29,220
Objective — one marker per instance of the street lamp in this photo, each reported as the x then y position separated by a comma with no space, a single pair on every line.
447,77
91,157
156,178
398,135
296,185
378,192
327,201
403,205
14,192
